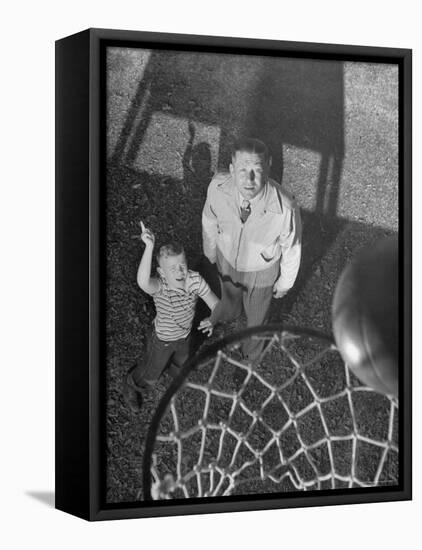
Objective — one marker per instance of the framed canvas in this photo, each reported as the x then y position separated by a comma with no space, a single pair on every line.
233,247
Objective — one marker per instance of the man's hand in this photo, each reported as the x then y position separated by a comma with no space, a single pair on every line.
279,291
206,326
147,235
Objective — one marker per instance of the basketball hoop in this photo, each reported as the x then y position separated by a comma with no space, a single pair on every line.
296,419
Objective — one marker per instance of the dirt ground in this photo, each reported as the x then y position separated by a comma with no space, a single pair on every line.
332,129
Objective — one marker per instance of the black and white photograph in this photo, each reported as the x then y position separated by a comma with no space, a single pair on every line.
252,264
210,265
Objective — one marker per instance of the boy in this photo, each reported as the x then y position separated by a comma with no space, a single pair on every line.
175,293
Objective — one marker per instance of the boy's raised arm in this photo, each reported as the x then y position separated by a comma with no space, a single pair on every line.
149,284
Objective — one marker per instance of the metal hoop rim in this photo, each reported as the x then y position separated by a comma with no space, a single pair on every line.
187,367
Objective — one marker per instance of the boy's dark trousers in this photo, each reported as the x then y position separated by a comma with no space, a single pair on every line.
160,354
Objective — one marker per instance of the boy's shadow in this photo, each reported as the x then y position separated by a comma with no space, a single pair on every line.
197,161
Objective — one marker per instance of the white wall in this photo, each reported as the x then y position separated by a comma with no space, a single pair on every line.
27,272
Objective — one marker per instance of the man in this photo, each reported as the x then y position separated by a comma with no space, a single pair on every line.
251,229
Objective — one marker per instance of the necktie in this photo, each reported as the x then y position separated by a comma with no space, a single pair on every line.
245,210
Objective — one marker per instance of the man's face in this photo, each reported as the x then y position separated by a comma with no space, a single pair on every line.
174,269
250,173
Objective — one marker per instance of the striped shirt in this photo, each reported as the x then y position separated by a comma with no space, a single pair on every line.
176,307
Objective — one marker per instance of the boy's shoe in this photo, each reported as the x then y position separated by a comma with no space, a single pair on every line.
132,397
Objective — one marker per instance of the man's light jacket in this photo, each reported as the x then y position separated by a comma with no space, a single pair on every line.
271,234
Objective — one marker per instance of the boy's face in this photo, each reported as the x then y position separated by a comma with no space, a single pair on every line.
250,173
174,269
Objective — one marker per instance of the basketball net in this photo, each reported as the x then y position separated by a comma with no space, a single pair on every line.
296,419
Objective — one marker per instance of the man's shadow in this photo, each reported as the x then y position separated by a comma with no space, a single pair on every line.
299,103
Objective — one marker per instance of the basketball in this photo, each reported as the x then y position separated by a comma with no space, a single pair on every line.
366,316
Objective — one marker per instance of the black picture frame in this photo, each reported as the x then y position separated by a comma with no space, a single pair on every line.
80,268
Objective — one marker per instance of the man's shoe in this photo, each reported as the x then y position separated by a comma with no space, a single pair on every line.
132,397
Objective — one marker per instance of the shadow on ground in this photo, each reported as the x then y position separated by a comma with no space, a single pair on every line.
283,101
45,497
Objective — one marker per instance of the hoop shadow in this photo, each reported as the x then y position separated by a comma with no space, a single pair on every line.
283,101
